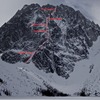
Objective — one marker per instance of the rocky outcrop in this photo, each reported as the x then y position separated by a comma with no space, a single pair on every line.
70,38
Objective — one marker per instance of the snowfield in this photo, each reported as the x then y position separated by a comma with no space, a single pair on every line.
23,79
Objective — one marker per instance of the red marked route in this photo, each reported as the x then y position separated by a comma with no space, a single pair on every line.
48,19
55,18
39,31
33,53
36,51
24,52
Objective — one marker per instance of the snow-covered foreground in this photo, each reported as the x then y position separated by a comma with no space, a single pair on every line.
18,83
82,75
23,79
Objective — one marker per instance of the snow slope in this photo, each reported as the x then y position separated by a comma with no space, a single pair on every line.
23,79
18,83
81,76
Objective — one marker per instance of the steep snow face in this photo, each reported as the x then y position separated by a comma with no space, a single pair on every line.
93,82
86,72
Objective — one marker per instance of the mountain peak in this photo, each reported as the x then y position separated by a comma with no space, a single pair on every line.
50,38
64,35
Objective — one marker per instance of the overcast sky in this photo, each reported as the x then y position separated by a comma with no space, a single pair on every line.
90,8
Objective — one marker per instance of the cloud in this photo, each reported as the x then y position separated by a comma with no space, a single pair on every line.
89,8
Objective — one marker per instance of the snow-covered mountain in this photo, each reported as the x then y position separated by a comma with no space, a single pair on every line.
67,64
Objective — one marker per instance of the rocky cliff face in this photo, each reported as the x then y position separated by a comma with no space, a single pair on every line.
69,42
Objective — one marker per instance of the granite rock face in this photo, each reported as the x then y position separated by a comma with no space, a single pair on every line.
11,57
70,38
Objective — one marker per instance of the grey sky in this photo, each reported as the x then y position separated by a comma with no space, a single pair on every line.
90,8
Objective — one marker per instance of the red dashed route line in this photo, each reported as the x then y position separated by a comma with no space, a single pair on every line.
23,52
55,18
40,31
